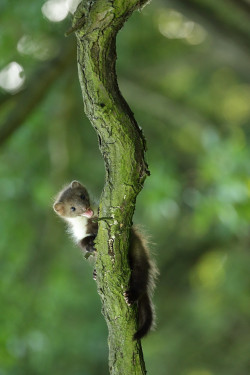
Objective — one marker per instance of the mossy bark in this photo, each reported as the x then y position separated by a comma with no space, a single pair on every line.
122,145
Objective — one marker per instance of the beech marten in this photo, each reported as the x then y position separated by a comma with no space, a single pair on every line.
73,205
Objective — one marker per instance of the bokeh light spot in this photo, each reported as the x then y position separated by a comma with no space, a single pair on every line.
12,77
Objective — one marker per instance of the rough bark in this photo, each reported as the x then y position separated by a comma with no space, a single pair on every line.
122,146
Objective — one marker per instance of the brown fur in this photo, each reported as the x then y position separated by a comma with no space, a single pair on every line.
92,226
143,270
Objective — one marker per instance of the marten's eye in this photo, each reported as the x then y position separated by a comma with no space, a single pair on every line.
73,209
82,196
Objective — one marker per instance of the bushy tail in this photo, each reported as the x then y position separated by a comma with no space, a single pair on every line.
145,313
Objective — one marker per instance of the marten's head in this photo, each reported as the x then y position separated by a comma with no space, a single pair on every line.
73,201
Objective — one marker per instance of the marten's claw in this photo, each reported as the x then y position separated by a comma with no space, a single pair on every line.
94,274
128,298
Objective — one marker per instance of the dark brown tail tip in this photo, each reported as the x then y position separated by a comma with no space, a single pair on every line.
145,317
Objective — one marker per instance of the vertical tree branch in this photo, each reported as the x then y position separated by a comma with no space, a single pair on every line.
122,146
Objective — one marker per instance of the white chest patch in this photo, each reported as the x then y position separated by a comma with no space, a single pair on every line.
78,227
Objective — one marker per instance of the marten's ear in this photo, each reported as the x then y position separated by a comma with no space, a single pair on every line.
75,184
59,208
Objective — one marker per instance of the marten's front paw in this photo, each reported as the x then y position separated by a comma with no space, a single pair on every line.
130,298
90,247
94,274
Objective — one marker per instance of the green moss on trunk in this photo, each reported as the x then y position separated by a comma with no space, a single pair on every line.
122,146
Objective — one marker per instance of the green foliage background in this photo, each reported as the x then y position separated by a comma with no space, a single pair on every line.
183,67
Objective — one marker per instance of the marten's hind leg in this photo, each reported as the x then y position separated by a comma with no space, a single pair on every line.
137,285
139,263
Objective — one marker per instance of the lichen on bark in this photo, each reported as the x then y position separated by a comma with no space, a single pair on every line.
96,23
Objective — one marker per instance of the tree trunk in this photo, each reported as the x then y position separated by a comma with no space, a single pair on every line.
122,145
